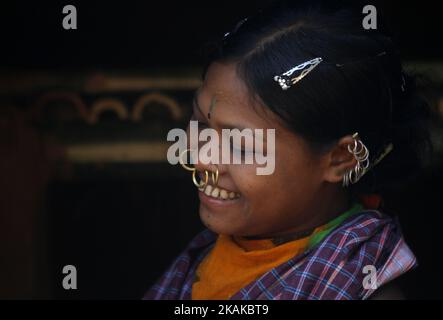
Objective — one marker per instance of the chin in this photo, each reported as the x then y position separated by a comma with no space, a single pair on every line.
215,224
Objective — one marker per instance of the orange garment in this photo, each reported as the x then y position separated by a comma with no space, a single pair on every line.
234,262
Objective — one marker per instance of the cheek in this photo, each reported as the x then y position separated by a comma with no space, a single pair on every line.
283,190
260,192
245,179
299,174
251,186
294,176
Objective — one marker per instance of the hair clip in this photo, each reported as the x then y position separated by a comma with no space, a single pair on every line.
237,26
285,80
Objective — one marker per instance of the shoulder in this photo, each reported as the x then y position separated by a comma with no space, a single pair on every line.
337,267
202,239
176,282
368,229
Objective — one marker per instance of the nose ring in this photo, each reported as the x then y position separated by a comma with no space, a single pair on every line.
202,183
186,167
214,176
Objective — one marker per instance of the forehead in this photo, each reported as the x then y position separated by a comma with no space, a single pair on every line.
222,81
233,100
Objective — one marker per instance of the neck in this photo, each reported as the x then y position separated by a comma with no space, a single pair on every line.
336,202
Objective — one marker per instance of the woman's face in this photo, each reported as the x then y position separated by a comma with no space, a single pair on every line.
289,199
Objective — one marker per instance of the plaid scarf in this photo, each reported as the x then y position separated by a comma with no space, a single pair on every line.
332,269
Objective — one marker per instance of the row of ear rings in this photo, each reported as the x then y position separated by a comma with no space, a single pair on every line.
203,182
361,154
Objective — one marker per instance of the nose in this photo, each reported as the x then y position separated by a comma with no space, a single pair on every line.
212,163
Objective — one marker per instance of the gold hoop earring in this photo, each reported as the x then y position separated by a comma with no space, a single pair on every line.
186,167
199,184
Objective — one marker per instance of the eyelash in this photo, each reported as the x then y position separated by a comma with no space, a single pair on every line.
241,150
204,125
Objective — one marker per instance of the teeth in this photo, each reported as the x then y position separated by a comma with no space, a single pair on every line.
215,192
208,190
223,194
219,193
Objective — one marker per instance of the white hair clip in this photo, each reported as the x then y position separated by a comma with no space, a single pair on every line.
285,80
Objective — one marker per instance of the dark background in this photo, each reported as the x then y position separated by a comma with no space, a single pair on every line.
150,33
121,224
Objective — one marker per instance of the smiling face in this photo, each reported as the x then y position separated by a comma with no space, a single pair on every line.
301,193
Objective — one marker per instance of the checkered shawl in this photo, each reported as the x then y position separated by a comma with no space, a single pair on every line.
333,269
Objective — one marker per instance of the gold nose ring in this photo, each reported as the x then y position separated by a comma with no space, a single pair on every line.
214,176
183,162
200,184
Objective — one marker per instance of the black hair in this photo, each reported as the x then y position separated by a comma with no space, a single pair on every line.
360,85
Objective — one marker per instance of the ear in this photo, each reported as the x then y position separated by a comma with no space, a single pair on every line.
339,160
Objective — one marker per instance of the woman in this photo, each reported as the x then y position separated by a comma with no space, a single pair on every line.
348,124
